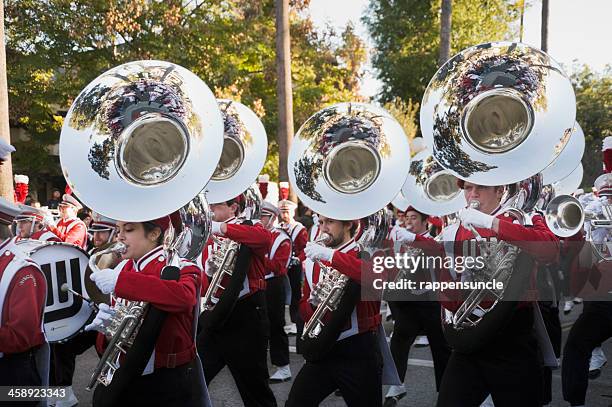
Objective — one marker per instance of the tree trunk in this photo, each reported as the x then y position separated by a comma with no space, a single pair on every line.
544,36
445,31
6,170
283,89
522,27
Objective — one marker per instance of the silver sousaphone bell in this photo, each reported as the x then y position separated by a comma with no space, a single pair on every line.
245,146
430,188
498,113
348,160
140,142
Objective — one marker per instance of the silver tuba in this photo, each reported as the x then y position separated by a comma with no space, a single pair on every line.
243,156
497,114
149,134
346,162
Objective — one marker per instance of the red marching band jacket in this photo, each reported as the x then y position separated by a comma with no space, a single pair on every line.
277,260
255,237
457,241
299,237
366,315
140,281
71,231
23,291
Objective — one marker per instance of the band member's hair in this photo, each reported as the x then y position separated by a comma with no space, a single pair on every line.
238,200
150,227
354,226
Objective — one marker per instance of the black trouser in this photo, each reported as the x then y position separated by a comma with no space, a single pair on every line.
508,368
354,366
242,345
179,386
591,328
550,315
294,272
275,305
63,357
411,318
18,370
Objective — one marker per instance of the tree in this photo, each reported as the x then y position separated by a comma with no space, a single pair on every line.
593,107
445,31
406,38
284,92
6,171
227,43
544,28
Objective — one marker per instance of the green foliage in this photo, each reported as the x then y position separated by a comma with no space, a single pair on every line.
593,112
406,113
56,47
406,36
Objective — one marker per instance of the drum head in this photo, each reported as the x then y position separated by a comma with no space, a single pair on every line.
65,313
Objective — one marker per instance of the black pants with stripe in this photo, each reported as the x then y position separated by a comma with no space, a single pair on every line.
508,368
411,318
275,304
591,328
354,366
241,344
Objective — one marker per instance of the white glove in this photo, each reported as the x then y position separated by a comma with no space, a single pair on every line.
402,235
102,319
106,279
315,251
48,219
476,218
216,228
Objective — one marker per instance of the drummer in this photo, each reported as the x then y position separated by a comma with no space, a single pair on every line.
32,224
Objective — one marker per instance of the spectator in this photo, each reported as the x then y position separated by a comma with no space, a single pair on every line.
55,200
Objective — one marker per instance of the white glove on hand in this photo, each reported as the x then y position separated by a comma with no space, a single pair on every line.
402,235
316,251
102,319
106,279
48,219
216,228
476,218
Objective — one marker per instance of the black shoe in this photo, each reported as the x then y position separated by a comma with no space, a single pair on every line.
392,401
595,373
338,393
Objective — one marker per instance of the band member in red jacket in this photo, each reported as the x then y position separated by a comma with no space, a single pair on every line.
241,341
31,224
276,292
415,311
299,237
354,363
70,228
103,230
24,352
173,375
510,360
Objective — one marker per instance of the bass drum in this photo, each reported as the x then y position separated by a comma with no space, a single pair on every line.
62,263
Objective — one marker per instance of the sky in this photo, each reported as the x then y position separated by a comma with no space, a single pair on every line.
578,29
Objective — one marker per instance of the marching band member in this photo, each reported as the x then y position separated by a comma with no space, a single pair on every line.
414,312
510,361
299,237
241,342
173,375
24,352
70,228
103,230
31,224
592,327
276,283
354,364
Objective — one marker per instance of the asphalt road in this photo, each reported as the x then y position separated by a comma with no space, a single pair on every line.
419,380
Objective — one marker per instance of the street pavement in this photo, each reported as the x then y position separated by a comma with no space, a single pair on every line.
419,379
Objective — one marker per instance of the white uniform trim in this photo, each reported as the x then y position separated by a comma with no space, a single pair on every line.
277,242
